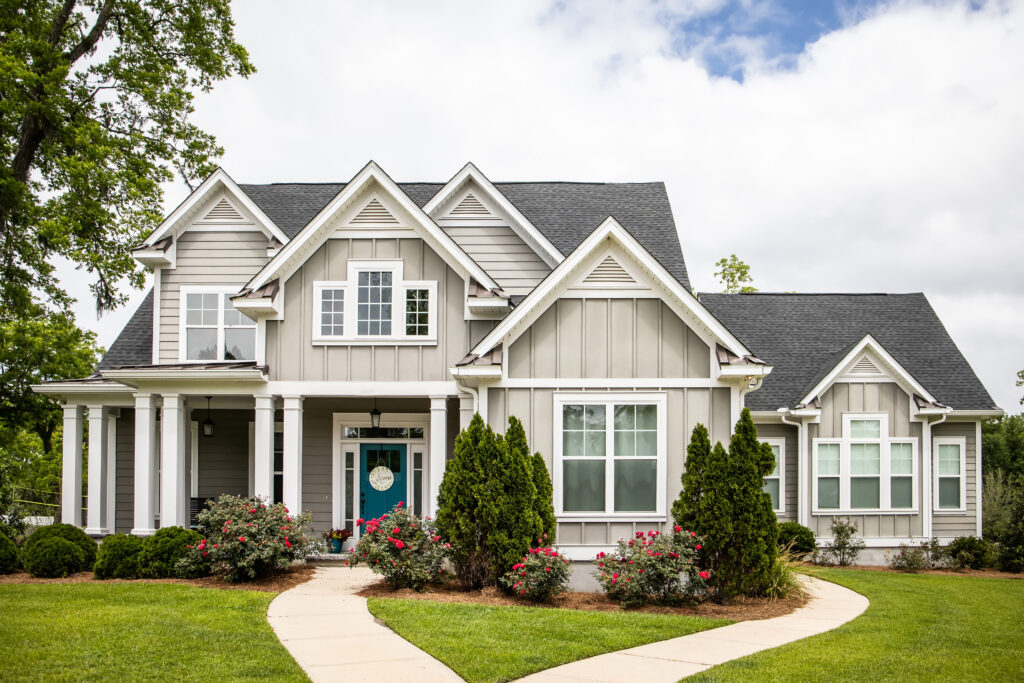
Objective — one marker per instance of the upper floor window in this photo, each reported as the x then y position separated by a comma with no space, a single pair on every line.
212,329
374,305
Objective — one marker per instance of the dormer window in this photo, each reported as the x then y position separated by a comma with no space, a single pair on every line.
374,305
212,329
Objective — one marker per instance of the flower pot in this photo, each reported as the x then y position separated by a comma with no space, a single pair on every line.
335,545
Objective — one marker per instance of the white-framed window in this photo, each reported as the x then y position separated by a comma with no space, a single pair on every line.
211,328
865,469
610,455
775,482
375,304
950,473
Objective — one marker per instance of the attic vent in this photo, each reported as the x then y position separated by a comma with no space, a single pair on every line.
374,212
470,206
864,367
609,272
223,211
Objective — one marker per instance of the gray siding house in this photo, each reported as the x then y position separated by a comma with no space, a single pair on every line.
302,339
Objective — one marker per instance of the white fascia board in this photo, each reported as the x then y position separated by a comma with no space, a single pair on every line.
217,180
869,343
68,388
521,224
746,370
154,258
976,414
256,307
487,304
476,371
560,279
283,263
129,376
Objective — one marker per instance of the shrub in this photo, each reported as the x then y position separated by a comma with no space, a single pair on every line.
907,558
1011,535
544,501
996,501
247,539
406,550
8,555
118,557
844,547
798,538
71,533
968,552
162,551
509,502
541,575
54,557
655,567
686,508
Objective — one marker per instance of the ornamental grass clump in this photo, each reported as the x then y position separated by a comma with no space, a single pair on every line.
246,539
403,548
653,567
541,575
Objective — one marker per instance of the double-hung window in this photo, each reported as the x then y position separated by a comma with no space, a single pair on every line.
774,483
212,329
610,455
865,469
375,304
949,465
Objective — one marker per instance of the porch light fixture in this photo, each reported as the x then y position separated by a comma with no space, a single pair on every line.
208,423
375,416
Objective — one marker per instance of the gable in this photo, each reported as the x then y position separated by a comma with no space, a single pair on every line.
373,213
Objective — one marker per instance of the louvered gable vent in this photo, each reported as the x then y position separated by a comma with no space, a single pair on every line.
375,213
223,212
469,207
609,272
864,366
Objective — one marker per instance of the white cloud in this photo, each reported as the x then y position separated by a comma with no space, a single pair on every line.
888,158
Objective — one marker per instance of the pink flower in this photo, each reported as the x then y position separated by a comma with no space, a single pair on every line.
677,528
400,503
693,535
396,531
359,522
287,543
547,569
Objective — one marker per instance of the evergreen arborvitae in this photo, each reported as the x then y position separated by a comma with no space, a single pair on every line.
509,515
686,508
714,516
544,505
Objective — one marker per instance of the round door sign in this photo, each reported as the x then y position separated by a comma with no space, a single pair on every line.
382,478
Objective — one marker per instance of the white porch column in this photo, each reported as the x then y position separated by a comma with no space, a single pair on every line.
263,435
174,509
96,514
71,473
144,518
438,448
293,454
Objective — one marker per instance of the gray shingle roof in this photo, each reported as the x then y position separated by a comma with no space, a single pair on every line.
564,212
134,346
804,335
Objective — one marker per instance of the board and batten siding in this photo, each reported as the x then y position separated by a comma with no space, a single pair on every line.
205,258
953,524
869,397
513,264
594,338
789,473
292,355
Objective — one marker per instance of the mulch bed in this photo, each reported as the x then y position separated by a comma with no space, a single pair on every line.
275,583
740,609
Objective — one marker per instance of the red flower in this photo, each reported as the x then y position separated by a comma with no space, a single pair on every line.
400,503
396,531
677,528
547,569
698,546
359,522
242,539
287,543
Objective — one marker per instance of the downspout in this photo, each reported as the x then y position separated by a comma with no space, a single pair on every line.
926,478
801,495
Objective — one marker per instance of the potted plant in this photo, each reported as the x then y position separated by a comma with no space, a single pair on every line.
335,537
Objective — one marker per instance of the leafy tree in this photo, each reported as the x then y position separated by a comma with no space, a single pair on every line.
96,100
1002,443
509,502
686,508
734,275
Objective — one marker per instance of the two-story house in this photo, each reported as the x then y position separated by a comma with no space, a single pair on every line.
323,344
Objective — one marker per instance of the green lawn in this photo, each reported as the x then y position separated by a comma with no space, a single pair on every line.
482,643
138,632
918,628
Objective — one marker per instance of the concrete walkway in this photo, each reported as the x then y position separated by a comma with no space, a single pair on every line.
670,660
332,635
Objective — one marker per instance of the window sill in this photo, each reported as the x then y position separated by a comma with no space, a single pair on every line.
833,513
946,512
611,517
376,341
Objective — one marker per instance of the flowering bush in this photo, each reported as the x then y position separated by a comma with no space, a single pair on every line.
401,547
654,567
245,539
539,576
908,558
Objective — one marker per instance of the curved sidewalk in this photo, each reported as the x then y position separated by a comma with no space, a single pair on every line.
332,635
830,606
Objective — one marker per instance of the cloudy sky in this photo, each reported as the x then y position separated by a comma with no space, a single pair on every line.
856,146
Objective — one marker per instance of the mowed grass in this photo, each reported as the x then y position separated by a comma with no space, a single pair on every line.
484,643
919,627
138,632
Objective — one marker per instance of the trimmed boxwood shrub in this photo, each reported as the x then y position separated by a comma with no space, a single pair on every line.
968,552
800,536
162,551
54,557
8,555
70,533
118,557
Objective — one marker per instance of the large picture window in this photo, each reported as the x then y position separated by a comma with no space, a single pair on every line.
212,329
610,455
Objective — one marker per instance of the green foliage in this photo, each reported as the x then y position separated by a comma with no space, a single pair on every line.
655,567
162,551
844,547
54,557
544,504
734,275
8,555
908,557
401,547
798,538
686,508
68,532
1011,536
781,579
1002,442
118,557
969,552
539,576
509,503
12,523
96,116
996,502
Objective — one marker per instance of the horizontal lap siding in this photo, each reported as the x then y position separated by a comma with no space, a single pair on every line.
962,524
124,502
205,258
224,457
787,432
513,264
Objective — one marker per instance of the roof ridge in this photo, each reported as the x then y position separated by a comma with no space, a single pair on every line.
812,293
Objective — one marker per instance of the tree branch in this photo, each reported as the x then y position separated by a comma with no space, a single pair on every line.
93,37
60,22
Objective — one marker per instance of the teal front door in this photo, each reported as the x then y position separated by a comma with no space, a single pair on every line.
382,478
